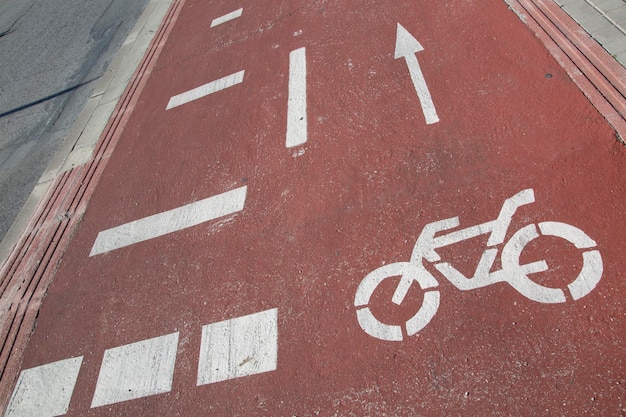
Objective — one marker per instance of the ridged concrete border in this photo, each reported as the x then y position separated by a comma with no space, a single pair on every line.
80,141
68,186
599,76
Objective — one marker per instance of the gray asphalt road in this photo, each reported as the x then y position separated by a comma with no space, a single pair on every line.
52,52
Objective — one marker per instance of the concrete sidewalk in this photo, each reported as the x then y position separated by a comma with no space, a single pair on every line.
604,20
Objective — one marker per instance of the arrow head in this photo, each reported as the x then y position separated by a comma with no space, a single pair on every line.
406,44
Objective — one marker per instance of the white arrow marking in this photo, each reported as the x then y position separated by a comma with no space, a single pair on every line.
170,221
205,90
406,47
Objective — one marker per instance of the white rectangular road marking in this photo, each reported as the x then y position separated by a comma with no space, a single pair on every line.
239,347
136,370
227,17
46,390
170,221
205,90
296,105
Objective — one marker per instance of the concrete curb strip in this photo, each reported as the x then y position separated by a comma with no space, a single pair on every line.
78,145
599,76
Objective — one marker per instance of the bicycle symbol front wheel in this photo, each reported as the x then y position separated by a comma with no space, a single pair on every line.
408,271
583,284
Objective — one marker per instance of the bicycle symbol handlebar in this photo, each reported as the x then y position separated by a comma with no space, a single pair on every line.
512,271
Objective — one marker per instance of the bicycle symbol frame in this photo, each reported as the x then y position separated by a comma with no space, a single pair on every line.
512,272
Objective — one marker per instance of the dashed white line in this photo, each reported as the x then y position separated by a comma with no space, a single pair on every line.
136,370
296,105
205,90
234,348
170,221
226,18
239,347
46,390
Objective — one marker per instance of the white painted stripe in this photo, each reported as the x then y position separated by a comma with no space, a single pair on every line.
206,89
170,221
296,105
227,17
46,390
239,347
136,370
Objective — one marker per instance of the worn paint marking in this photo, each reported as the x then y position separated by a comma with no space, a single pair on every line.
136,370
170,221
45,390
296,106
226,18
205,90
239,347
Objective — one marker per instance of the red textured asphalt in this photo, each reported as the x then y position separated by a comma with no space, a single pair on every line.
320,217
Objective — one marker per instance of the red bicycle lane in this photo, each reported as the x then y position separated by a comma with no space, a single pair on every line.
273,276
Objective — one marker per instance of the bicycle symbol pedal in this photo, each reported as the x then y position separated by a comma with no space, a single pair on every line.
511,272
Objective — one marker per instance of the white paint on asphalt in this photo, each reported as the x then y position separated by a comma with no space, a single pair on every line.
296,105
374,327
592,269
239,347
589,276
205,90
406,47
408,272
512,271
46,390
229,349
226,18
424,315
136,370
170,221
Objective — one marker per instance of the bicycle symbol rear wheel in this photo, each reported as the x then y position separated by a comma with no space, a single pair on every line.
408,271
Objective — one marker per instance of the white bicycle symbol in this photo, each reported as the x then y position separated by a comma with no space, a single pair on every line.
512,272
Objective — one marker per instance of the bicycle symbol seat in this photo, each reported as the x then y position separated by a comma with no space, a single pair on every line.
512,272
